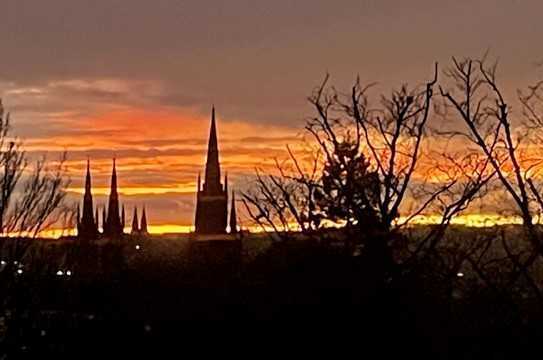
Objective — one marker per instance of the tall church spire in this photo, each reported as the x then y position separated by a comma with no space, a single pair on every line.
212,180
212,199
113,226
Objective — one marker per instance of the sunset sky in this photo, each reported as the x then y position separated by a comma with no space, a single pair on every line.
136,79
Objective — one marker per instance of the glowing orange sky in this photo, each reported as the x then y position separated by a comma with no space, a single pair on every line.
159,155
136,79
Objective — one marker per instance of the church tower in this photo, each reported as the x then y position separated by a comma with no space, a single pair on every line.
212,198
113,227
87,226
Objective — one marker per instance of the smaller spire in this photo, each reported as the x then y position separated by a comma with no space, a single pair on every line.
135,225
199,181
226,182
143,224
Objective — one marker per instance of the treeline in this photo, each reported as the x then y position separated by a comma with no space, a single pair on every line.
372,167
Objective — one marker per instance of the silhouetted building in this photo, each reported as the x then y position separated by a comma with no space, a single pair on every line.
139,228
212,198
113,221
113,227
87,225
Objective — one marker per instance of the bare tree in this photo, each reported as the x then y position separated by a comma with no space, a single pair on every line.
477,100
31,197
284,201
361,168
458,179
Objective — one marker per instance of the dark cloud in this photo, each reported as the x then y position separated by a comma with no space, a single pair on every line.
258,61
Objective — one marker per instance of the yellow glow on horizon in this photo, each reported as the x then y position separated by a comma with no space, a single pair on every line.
154,190
170,229
468,220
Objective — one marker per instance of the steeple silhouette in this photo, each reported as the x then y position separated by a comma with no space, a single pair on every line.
212,180
135,225
113,227
233,216
88,228
143,224
212,199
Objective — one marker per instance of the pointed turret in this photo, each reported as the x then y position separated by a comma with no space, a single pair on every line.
143,224
233,216
135,225
88,228
113,227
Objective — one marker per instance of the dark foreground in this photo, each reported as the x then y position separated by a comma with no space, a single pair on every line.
292,296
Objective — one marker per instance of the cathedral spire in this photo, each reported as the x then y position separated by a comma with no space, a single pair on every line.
143,224
212,180
212,199
88,228
135,225
113,226
114,177
233,216
88,178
